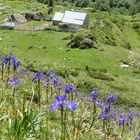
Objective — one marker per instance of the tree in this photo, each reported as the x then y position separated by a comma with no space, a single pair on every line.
50,3
50,6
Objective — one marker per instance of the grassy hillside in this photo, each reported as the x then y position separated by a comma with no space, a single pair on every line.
49,51
113,67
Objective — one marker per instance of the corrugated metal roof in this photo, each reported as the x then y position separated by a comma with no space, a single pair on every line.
74,17
58,16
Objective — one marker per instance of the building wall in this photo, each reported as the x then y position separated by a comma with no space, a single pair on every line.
74,27
56,22
86,22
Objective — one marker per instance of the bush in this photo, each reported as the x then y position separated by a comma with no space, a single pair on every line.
98,74
102,5
82,3
82,41
66,72
85,86
126,7
127,46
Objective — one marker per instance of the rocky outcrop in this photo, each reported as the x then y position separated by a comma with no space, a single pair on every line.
37,16
16,18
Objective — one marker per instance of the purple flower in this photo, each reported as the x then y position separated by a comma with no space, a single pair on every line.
83,97
69,88
57,81
94,95
14,82
114,116
50,74
138,137
7,59
99,103
131,115
99,117
47,82
111,98
72,105
15,63
103,116
60,102
123,120
106,108
37,76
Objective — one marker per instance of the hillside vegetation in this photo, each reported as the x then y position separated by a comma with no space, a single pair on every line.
108,60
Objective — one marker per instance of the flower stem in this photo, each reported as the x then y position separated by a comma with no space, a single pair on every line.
14,99
62,124
23,107
93,115
47,95
2,71
8,70
39,94
123,129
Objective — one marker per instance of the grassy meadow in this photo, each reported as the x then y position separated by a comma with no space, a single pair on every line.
118,42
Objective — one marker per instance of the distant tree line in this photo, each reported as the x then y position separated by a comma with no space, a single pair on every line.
128,7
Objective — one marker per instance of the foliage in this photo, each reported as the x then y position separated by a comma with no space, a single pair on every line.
82,3
83,41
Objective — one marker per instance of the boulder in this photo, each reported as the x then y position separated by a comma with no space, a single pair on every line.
37,16
63,26
16,18
8,25
45,17
28,16
86,43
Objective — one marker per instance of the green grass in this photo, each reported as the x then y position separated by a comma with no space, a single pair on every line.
85,69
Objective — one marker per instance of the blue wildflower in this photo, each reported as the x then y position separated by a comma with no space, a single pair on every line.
72,105
114,116
15,63
131,115
83,97
94,95
111,98
99,103
7,59
138,137
47,82
60,102
37,76
14,82
106,108
50,74
69,88
123,120
103,116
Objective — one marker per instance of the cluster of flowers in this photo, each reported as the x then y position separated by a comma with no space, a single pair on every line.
10,59
109,110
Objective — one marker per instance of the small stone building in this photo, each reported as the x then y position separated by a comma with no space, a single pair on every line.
57,18
75,20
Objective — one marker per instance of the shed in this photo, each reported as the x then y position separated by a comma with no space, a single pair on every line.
57,18
76,19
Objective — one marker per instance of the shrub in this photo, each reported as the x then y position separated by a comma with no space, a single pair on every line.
98,74
82,41
82,3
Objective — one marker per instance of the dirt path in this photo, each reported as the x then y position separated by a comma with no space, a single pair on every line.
29,27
